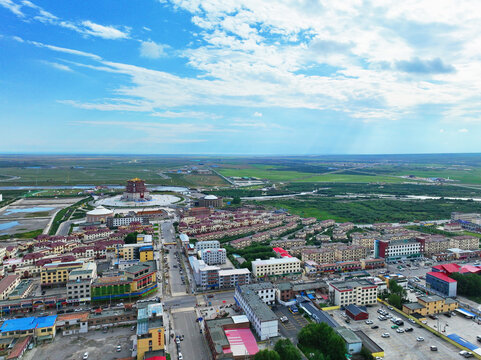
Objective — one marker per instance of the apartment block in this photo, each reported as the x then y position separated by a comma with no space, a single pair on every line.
276,267
358,292
56,273
213,256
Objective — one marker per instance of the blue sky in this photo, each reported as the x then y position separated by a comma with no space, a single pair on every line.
239,76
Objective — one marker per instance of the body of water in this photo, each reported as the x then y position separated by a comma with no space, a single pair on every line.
28,210
8,225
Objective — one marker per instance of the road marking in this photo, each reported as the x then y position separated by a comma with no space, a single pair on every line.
184,309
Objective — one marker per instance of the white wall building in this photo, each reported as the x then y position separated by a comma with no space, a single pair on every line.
358,292
264,321
214,256
203,245
233,277
79,282
273,266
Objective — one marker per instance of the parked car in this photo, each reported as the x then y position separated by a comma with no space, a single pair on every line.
419,339
478,338
177,340
119,348
284,319
86,356
374,327
433,348
466,354
180,357
385,335
408,329
369,322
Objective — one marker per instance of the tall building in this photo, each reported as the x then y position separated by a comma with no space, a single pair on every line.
253,299
357,292
79,282
276,267
214,256
136,191
150,331
398,249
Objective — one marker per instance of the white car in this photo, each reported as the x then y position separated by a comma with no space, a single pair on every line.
419,339
119,348
399,330
369,322
86,356
385,335
180,357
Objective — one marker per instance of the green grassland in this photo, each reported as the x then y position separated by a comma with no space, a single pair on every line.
372,210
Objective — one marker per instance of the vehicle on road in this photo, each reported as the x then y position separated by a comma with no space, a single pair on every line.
385,335
293,309
419,339
369,322
408,329
284,319
394,327
177,340
374,327
478,338
433,348
180,357
119,348
86,356
466,354
399,330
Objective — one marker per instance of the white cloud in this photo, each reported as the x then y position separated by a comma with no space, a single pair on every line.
105,32
152,50
65,50
58,66
85,27
441,130
13,7
463,130
258,114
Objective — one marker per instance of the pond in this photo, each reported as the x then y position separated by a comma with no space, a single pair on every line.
28,210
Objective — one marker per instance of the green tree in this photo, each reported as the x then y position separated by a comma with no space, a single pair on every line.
286,350
236,201
395,300
394,288
131,238
267,355
336,348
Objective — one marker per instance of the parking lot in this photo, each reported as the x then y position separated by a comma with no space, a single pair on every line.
401,346
295,322
99,345
468,329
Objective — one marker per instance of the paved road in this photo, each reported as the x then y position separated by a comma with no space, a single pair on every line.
194,345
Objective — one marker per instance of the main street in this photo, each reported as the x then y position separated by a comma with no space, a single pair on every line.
179,303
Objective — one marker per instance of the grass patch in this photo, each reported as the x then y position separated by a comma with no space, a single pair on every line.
37,214
25,235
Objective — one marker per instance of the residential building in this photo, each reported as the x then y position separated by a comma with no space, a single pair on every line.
144,239
146,253
276,267
465,242
288,243
470,217
150,330
357,292
429,305
262,318
73,323
113,222
79,283
214,256
320,256
40,328
365,239
7,285
204,245
230,338
22,290
442,283
205,276
56,273
350,253
234,277
397,249
434,244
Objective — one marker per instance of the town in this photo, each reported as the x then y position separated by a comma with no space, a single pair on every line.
141,276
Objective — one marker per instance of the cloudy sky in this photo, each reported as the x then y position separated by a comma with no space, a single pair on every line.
240,76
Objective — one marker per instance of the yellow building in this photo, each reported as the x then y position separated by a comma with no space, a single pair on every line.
429,305
42,328
57,273
146,253
150,330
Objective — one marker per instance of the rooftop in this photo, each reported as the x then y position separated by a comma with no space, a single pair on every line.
261,310
440,276
28,323
348,335
273,261
351,284
431,298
